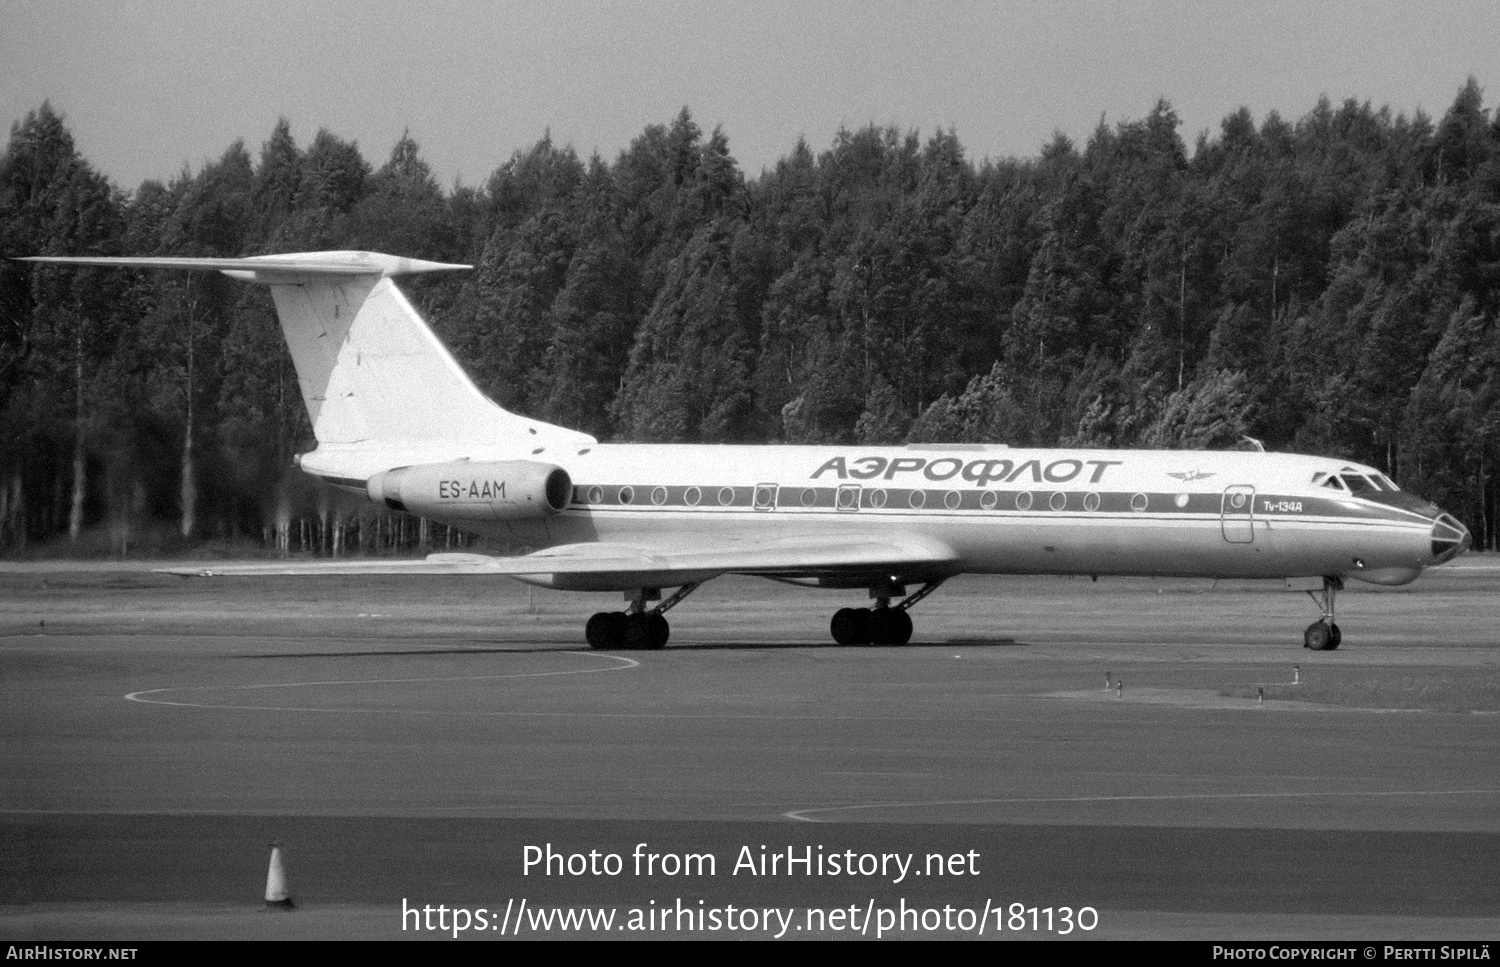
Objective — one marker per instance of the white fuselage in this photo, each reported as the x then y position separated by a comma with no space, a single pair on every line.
1002,510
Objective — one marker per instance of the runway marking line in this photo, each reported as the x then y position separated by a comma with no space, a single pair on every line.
804,815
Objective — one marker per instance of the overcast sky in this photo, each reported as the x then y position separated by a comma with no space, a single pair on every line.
151,86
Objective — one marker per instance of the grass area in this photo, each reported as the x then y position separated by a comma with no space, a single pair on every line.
150,542
1427,689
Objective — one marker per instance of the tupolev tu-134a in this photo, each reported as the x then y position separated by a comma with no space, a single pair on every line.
400,423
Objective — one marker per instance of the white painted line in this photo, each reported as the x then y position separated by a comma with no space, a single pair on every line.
805,815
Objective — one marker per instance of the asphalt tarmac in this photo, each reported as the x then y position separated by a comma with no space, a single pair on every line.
412,743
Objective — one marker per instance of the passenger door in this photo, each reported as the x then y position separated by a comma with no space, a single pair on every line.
1237,514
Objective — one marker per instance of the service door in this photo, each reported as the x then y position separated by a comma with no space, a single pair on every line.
1238,515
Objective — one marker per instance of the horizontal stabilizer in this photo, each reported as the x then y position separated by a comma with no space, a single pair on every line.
274,269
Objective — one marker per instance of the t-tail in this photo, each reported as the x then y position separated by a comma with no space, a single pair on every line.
380,389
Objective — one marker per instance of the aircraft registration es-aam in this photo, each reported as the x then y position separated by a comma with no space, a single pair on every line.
399,422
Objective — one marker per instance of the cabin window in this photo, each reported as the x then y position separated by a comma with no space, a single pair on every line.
1059,501
1023,500
1138,503
596,495
1091,502
627,494
691,496
726,496
877,499
659,496
918,498
809,496
953,500
988,499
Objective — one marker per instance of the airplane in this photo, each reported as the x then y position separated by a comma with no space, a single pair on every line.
398,422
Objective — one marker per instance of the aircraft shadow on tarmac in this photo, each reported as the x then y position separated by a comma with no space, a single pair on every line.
495,648
477,649
830,645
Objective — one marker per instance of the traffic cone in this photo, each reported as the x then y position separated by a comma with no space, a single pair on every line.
278,896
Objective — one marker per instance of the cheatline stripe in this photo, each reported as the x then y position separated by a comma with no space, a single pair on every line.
938,502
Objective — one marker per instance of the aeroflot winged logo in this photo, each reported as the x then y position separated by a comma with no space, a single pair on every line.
979,472
1191,475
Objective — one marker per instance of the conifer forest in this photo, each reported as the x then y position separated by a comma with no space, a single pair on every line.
1326,284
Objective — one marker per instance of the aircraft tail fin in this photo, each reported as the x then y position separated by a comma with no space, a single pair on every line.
369,367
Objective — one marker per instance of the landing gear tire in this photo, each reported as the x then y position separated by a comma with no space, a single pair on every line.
890,626
852,626
866,626
645,632
657,632
637,635
606,631
1322,636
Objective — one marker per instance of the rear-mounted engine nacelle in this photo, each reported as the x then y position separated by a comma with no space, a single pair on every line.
474,490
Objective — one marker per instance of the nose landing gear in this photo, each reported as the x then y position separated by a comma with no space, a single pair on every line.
1323,634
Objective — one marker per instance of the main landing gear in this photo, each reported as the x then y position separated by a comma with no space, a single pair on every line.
1323,634
884,624
635,629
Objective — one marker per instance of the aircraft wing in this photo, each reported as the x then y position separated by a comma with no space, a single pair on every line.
604,566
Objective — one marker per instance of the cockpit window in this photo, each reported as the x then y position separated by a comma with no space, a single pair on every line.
1355,481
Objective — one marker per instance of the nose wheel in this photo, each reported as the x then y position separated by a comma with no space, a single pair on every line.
1323,634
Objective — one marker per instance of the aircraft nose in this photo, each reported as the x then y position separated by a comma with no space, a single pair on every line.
1449,538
